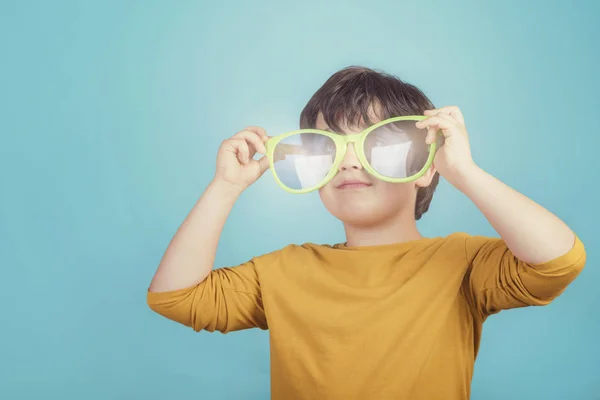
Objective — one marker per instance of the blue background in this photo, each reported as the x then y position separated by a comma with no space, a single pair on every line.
111,116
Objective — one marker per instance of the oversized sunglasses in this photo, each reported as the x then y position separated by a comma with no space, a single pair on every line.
393,150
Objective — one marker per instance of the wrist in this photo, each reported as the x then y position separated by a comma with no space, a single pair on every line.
465,177
225,188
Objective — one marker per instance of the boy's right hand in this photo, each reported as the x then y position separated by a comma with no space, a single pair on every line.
235,163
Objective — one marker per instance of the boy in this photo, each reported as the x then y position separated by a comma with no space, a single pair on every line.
389,314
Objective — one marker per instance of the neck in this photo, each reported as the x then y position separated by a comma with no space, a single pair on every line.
402,228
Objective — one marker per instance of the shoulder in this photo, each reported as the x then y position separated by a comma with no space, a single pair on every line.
289,262
467,238
479,246
470,244
289,253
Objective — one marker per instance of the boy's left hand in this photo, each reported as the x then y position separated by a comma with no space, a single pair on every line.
453,159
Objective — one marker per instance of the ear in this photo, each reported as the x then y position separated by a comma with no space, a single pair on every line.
426,179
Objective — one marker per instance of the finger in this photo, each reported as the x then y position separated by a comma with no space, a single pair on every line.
442,120
437,121
452,121
240,148
431,134
258,142
261,132
447,117
453,111
263,164
252,138
439,112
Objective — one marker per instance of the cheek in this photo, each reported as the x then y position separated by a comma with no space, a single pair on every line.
325,193
395,192
329,201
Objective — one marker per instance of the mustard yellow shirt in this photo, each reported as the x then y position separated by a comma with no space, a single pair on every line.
399,321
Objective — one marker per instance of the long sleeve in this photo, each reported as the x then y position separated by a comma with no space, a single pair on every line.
496,280
229,299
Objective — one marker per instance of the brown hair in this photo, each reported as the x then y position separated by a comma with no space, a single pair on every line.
351,93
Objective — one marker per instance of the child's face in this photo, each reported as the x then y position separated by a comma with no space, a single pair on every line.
369,201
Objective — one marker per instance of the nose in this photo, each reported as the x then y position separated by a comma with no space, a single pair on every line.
350,160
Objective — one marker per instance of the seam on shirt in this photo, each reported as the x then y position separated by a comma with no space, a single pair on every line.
238,290
495,287
473,308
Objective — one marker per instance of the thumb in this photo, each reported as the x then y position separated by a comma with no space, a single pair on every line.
263,164
431,136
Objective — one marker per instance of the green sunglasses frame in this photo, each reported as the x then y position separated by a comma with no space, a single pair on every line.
341,143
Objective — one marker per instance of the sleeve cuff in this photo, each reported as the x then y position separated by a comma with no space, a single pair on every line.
574,258
153,298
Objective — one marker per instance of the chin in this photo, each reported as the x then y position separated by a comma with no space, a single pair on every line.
361,212
362,218
367,209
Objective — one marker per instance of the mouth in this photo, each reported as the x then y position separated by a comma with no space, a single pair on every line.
353,185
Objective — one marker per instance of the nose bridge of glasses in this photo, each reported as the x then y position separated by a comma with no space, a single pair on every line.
351,139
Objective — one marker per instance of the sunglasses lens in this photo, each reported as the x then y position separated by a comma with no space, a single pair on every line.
303,160
397,149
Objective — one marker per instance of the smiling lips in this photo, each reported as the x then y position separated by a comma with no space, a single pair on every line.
352,184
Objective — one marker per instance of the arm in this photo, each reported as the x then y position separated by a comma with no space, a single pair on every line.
185,288
537,255
228,299
190,256
533,234
535,259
